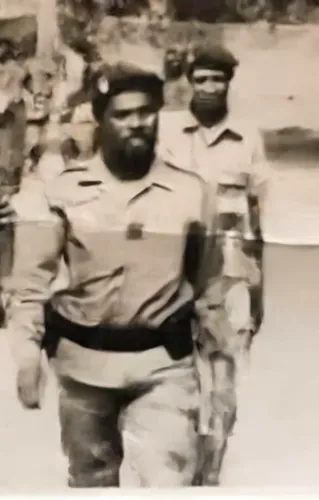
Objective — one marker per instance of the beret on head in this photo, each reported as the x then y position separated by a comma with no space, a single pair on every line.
213,56
121,77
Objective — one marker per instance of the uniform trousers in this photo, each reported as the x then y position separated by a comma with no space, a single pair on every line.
148,427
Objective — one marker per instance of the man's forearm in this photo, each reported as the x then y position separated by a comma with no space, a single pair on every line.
36,258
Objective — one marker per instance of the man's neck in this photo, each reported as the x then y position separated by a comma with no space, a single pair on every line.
125,169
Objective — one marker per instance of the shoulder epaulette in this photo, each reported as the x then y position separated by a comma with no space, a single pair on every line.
74,168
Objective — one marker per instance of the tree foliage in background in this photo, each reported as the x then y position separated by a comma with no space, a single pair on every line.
244,10
201,10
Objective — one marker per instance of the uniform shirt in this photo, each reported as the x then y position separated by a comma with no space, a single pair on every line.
124,248
231,146
230,158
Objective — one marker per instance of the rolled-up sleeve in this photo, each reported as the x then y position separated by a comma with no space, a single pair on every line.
38,244
259,168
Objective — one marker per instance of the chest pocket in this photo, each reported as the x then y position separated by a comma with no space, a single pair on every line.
93,222
78,200
65,194
95,242
227,155
161,238
165,214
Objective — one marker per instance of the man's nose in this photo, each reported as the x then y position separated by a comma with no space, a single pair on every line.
210,86
136,121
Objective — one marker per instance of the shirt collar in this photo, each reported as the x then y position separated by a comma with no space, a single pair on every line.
159,174
229,125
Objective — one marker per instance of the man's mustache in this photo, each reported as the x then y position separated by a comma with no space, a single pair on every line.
203,97
140,135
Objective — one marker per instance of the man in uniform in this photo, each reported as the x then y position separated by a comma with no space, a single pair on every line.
119,334
37,94
227,152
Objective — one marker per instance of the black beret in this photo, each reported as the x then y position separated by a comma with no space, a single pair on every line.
121,77
213,56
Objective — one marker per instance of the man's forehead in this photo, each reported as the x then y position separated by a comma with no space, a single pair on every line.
207,72
130,99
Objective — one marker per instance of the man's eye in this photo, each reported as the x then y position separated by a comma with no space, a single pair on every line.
219,79
215,79
200,80
121,115
146,113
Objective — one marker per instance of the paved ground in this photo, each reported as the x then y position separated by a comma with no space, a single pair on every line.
276,443
277,439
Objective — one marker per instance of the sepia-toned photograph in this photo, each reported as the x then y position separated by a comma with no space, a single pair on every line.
159,246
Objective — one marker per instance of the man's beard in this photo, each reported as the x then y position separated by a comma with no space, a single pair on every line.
132,163
208,109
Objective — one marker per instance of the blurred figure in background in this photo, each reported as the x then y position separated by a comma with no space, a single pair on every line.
28,93
177,90
38,91
60,123
12,141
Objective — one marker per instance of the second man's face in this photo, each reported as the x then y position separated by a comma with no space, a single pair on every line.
210,88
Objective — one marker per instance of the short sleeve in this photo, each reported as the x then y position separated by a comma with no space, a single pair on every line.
259,167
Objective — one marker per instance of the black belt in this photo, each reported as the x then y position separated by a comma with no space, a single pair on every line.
175,334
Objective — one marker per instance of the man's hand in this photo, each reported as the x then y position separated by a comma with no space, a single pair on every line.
7,212
29,379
